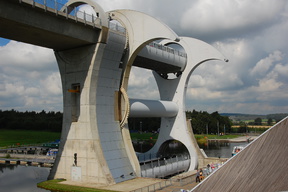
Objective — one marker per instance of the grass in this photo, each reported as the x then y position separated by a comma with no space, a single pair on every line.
216,136
24,137
222,137
144,136
153,136
201,139
55,185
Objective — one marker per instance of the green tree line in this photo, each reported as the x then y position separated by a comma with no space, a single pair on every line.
202,122
52,121
41,121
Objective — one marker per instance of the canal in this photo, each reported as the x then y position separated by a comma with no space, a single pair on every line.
18,178
220,149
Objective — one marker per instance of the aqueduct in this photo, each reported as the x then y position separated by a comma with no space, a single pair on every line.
95,141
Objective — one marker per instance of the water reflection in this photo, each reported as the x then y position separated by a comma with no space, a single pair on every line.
142,146
16,178
222,149
219,148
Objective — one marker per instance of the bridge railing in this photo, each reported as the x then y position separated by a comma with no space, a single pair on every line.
163,161
75,13
117,27
168,49
154,187
147,156
57,7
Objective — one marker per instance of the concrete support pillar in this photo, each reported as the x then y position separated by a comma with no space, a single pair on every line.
90,76
175,128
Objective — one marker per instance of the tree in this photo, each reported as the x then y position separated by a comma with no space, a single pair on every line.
269,122
31,120
201,121
258,121
242,127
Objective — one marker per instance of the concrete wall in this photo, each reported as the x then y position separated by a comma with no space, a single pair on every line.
89,127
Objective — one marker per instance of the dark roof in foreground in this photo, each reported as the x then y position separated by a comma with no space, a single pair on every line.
261,166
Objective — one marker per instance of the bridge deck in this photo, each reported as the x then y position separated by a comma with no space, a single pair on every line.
42,26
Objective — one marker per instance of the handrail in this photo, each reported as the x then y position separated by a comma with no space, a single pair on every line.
57,6
167,49
155,186
92,19
75,14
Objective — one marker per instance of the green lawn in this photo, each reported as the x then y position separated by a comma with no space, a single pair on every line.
147,136
218,137
144,136
201,139
24,137
57,186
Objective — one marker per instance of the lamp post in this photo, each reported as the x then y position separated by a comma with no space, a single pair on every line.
218,127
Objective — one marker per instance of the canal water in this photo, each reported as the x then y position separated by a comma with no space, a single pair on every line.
220,149
19,178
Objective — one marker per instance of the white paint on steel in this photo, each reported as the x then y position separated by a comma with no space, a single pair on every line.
167,56
152,108
175,90
96,7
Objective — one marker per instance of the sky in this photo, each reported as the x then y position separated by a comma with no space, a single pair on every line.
251,34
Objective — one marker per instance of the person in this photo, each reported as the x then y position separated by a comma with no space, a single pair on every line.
208,168
201,175
198,176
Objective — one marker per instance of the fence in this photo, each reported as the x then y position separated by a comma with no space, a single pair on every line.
154,187
165,167
72,13
168,49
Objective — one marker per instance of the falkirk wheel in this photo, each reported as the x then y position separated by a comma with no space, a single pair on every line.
95,141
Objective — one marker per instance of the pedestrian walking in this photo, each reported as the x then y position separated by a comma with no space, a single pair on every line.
198,176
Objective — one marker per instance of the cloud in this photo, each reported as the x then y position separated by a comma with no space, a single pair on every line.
226,18
253,36
142,84
29,78
25,57
51,84
281,70
263,66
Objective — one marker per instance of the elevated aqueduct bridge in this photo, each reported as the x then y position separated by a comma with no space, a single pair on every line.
95,53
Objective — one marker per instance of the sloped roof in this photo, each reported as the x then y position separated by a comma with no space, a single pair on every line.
261,166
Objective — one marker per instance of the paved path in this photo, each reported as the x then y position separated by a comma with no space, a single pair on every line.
129,185
176,188
185,181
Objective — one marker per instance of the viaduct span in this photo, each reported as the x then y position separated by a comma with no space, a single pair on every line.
95,57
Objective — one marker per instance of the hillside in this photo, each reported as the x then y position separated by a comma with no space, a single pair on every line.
241,117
